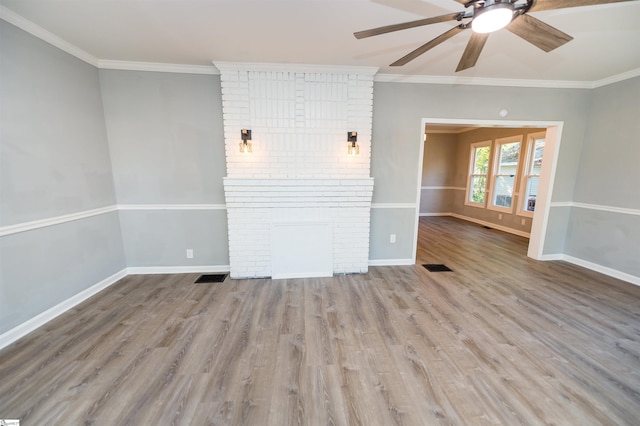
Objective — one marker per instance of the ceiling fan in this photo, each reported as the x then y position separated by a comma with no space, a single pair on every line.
485,17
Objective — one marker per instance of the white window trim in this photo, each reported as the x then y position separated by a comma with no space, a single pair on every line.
493,172
531,138
470,173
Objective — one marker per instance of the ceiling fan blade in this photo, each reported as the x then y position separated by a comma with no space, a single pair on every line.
428,45
561,4
538,33
472,51
406,25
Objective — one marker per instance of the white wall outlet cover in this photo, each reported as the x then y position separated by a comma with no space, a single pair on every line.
189,254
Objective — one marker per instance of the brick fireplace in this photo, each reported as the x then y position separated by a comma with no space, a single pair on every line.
297,205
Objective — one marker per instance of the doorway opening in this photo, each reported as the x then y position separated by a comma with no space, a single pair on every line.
551,130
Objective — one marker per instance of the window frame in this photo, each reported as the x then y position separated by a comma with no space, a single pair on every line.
471,174
525,176
495,160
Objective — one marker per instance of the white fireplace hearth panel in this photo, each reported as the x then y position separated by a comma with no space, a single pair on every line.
301,249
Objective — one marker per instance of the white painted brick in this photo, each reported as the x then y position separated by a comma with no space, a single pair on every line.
299,122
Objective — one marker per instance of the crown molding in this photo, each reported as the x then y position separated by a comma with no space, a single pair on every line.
505,82
616,78
44,35
480,81
282,67
157,67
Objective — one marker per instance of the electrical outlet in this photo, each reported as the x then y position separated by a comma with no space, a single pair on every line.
392,238
499,216
522,221
189,253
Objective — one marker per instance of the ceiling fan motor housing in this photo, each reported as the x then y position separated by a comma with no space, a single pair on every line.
492,16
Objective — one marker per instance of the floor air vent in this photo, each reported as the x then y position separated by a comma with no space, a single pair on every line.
211,278
437,268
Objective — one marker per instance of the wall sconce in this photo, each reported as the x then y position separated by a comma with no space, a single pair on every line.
354,149
245,145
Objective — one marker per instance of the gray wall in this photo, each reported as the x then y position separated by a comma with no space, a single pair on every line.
609,172
398,109
609,176
385,222
605,238
161,237
55,157
167,147
54,160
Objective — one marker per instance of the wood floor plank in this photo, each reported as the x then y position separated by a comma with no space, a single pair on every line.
502,339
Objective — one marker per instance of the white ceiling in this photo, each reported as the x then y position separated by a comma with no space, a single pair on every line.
606,37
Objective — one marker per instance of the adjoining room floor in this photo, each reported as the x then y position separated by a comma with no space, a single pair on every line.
502,339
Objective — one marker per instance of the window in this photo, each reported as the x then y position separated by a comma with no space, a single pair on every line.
478,168
531,174
505,169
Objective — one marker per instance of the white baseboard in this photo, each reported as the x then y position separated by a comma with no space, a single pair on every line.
481,222
594,267
557,256
39,320
141,270
492,225
602,269
391,262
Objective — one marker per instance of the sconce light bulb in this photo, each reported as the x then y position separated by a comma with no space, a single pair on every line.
245,147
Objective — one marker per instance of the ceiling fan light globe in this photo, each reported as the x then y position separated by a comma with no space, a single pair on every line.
492,18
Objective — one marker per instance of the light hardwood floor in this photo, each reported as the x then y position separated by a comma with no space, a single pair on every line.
501,340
